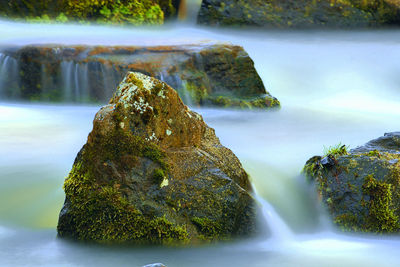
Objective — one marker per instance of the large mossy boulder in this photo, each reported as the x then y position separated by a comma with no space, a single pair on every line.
153,172
300,13
361,188
105,11
203,74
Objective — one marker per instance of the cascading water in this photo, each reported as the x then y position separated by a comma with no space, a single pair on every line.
75,81
279,230
8,76
334,87
188,10
110,79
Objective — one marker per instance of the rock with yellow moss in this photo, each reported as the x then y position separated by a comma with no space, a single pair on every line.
361,188
153,172
300,13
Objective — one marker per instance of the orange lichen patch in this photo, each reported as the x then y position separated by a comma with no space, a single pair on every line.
128,49
100,50
147,67
165,49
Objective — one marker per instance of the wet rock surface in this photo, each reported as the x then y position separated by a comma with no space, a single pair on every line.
361,188
300,13
204,74
153,172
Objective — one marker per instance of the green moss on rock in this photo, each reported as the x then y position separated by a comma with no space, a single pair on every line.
300,13
361,188
101,214
105,11
262,102
382,213
209,229
149,167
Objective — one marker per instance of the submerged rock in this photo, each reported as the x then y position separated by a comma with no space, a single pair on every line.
153,172
300,13
361,188
204,74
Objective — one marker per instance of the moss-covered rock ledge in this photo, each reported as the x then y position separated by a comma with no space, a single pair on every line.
153,172
300,13
361,187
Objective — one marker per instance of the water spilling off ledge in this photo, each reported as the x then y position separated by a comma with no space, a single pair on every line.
203,74
8,76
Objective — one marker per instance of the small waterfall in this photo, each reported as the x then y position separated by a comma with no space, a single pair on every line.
110,79
9,80
185,93
75,82
177,83
188,10
66,74
279,229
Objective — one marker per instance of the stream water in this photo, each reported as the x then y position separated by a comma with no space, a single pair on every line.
334,87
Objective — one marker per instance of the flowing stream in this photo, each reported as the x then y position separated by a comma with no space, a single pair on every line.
333,86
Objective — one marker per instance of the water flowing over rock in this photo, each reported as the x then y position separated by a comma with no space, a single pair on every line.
153,172
8,76
361,189
206,74
300,13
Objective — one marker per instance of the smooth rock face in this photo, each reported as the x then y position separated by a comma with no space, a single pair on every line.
153,172
300,13
203,74
361,189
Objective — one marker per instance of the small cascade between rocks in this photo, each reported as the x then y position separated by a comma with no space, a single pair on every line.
75,81
188,10
8,76
279,230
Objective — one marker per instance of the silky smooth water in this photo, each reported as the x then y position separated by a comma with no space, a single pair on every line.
334,87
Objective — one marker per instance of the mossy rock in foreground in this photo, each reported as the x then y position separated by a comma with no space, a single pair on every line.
300,13
361,188
153,172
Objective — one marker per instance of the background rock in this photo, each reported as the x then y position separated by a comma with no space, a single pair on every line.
105,11
222,75
300,13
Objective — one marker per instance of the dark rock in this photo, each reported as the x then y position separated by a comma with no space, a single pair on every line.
300,13
390,142
361,189
221,75
153,172
328,161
